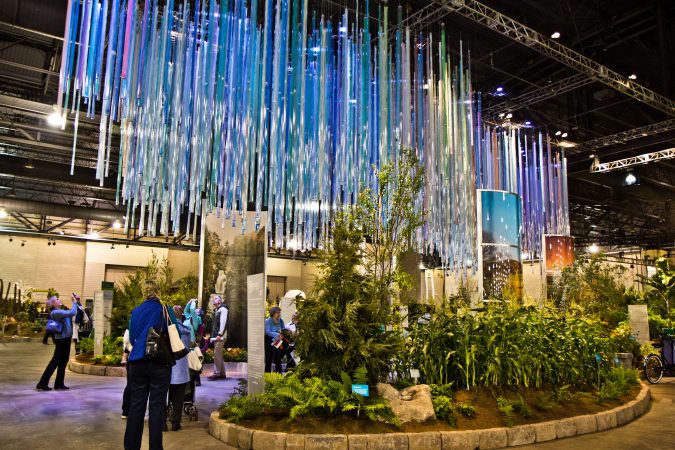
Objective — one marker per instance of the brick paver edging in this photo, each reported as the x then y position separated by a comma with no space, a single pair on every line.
246,438
92,369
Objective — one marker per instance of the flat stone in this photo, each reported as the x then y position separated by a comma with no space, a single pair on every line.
418,408
460,440
326,442
295,442
606,420
214,428
586,424
265,440
521,435
545,431
97,370
565,428
424,441
358,441
624,414
492,438
389,441
86,369
240,437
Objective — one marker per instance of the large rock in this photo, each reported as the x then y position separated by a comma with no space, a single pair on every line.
419,408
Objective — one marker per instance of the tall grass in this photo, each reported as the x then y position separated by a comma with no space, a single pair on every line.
510,346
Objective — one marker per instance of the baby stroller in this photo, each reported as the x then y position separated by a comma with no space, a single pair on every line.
189,407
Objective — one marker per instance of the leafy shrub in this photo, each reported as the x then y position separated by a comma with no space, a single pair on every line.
466,410
295,397
564,394
618,382
521,407
542,402
86,345
507,411
444,409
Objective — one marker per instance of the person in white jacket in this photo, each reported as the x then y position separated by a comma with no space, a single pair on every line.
219,336
126,399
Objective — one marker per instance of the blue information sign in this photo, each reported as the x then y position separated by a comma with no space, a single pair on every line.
361,389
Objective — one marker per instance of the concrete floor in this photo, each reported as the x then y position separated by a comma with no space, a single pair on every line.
87,416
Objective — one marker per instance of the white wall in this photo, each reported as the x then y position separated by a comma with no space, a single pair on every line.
78,266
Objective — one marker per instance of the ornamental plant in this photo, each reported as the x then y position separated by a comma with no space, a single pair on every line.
351,319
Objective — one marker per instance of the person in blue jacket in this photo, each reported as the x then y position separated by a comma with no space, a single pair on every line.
61,355
146,378
274,324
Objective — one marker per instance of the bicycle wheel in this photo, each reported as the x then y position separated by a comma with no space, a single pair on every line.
653,369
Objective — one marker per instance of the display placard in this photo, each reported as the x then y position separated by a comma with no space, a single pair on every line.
256,332
361,389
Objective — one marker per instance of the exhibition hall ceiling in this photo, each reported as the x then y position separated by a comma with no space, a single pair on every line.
631,38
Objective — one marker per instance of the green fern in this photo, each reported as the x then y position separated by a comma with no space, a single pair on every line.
360,375
506,410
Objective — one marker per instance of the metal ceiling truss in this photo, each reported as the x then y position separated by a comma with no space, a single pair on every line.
528,37
626,136
538,95
626,163
46,190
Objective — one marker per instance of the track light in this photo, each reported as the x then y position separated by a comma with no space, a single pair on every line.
632,76
558,133
3,213
509,115
11,238
500,89
555,35
56,120
630,179
23,243
117,225
564,135
528,123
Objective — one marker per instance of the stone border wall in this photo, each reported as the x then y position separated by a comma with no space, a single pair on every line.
249,439
92,369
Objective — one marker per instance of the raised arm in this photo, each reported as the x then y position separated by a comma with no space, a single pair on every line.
61,313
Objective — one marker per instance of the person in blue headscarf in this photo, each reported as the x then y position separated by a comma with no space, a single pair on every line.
192,319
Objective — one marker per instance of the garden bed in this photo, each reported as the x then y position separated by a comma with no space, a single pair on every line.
587,417
483,400
86,366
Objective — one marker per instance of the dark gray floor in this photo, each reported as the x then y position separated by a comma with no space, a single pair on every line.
88,416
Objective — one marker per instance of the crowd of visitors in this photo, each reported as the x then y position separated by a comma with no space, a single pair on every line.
159,377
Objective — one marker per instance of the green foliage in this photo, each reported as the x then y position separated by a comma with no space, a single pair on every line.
521,407
507,411
128,292
593,289
351,318
295,397
442,389
86,345
445,409
662,292
564,394
543,402
617,383
466,410
506,345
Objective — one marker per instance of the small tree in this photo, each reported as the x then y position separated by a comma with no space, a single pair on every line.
351,320
663,283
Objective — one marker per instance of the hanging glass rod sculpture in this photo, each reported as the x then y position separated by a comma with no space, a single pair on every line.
234,105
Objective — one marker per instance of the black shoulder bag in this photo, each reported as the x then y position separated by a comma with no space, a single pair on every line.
158,346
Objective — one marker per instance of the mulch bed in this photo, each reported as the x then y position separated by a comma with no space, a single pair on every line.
483,400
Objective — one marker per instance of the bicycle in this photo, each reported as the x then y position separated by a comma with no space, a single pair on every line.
656,364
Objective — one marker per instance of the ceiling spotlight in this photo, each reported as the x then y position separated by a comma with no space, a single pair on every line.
112,247
53,242
49,243
632,76
29,165
555,35
500,89
127,246
564,135
23,243
501,115
591,156
56,120
93,235
117,225
528,123
62,232
3,213
509,115
630,179
11,238
558,133
593,248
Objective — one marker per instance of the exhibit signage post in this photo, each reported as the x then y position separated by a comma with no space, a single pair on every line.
256,332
